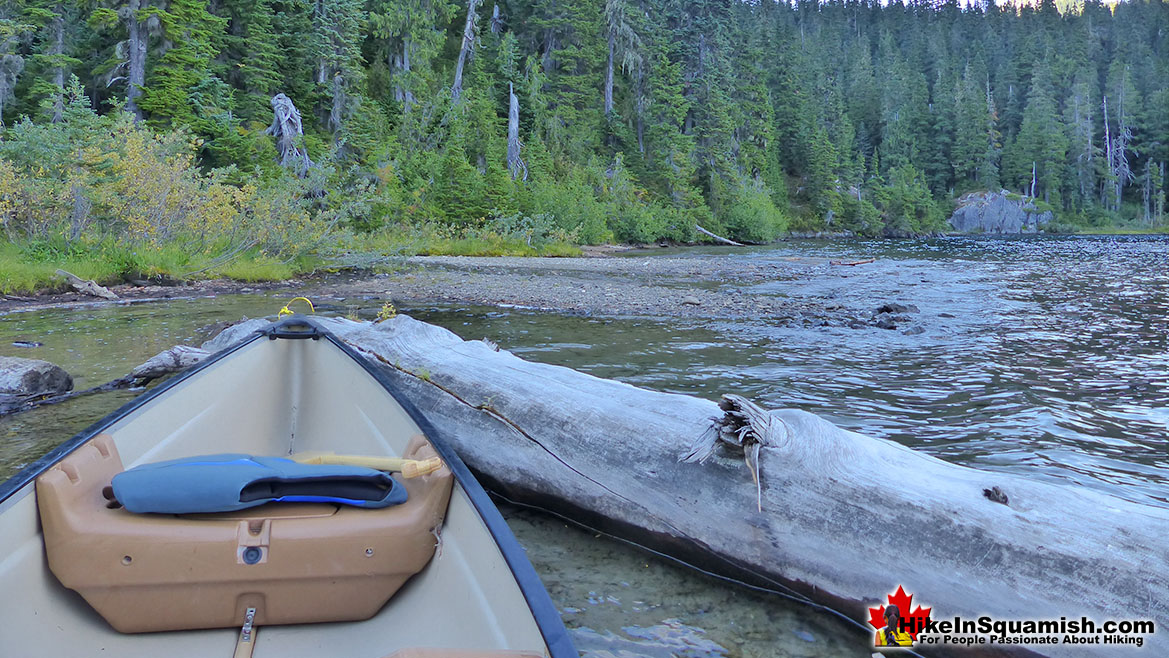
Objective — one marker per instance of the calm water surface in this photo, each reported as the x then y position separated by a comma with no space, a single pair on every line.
1041,356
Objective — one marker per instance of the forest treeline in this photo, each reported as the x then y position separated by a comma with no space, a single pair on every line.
570,120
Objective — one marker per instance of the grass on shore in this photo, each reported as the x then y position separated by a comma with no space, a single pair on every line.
31,268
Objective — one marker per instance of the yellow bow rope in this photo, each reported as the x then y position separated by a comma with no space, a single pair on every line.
287,311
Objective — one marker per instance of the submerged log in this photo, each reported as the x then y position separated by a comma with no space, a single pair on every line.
845,519
176,358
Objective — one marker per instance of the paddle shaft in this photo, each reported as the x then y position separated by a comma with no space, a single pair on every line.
409,468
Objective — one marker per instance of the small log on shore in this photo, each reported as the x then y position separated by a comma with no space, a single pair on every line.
837,517
863,261
86,286
717,237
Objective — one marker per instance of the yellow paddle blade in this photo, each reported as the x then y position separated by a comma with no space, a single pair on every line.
409,468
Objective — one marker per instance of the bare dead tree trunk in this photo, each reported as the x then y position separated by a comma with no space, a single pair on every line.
136,52
59,71
496,20
701,54
10,68
407,50
609,77
464,50
1082,125
639,111
395,62
1032,192
515,164
1109,153
337,108
1123,171
79,216
1147,192
289,133
1160,193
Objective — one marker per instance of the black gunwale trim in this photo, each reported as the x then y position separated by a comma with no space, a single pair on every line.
29,473
539,602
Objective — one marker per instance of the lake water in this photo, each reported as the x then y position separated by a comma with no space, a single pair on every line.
1041,356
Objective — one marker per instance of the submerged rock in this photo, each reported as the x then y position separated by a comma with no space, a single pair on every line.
29,377
998,212
895,308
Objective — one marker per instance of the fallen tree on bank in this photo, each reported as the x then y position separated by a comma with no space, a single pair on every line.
840,517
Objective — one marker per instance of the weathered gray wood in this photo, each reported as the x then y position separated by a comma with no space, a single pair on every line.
465,49
840,517
176,358
717,237
288,130
515,164
846,518
86,286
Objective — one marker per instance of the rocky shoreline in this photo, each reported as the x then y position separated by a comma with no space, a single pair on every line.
688,286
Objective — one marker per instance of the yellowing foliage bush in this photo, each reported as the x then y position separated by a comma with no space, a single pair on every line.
94,178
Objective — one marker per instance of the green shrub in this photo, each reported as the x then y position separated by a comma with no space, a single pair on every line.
751,216
573,207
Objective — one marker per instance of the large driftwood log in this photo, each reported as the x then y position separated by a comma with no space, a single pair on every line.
845,518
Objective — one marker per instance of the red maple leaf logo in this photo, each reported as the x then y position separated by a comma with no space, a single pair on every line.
913,622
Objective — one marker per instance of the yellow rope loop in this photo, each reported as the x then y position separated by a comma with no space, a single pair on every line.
287,311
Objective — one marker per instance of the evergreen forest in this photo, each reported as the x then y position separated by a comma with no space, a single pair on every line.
142,130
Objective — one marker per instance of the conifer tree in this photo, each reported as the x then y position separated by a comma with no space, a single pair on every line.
12,31
969,128
336,48
129,60
624,45
1034,164
252,44
413,32
52,61
190,32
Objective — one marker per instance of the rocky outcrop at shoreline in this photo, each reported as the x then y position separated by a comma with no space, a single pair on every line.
998,212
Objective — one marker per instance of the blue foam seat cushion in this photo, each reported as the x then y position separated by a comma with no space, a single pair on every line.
226,483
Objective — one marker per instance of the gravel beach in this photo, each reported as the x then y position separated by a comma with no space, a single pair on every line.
693,286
